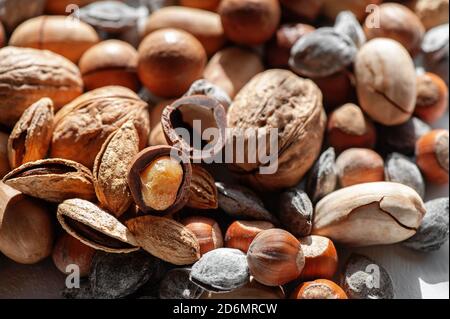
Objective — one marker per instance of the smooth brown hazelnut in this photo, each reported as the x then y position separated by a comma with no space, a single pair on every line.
275,257
4,162
2,35
70,251
26,228
170,61
60,6
231,68
319,289
331,8
249,22
358,166
397,22
201,4
111,62
337,89
206,230
432,156
278,50
308,9
432,97
55,33
348,127
241,233
321,259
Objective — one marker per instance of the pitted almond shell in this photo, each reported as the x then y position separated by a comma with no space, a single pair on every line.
203,191
53,180
30,139
111,169
95,227
166,239
369,214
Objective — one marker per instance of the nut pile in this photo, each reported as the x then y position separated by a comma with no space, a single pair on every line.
96,175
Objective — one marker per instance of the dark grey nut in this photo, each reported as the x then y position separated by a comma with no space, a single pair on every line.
83,292
296,212
364,279
204,87
322,53
177,285
400,169
241,202
346,23
322,179
435,46
434,230
119,275
110,16
401,138
221,270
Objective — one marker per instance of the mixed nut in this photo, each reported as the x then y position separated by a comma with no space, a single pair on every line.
95,172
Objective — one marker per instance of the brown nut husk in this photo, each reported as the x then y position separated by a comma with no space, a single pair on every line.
23,81
183,114
146,158
95,227
30,139
4,162
368,214
83,125
203,190
166,239
26,228
111,167
278,99
53,180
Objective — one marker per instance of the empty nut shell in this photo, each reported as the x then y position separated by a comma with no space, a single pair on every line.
322,179
53,180
204,87
95,227
275,257
144,194
434,230
363,278
389,213
432,156
241,233
185,121
319,289
296,212
177,285
400,169
221,270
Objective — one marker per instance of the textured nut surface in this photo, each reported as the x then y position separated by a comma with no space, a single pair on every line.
165,239
30,139
319,289
176,285
296,212
386,81
222,269
400,169
83,125
346,23
369,214
4,161
203,190
111,168
322,179
278,99
23,81
53,180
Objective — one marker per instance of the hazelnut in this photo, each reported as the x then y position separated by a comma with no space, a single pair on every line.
397,22
337,89
240,234
321,260
160,182
249,22
319,289
4,162
26,228
170,61
279,48
348,127
111,62
432,156
55,33
69,250
201,4
308,9
431,13
275,257
231,68
206,230
60,6
432,97
331,8
358,166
